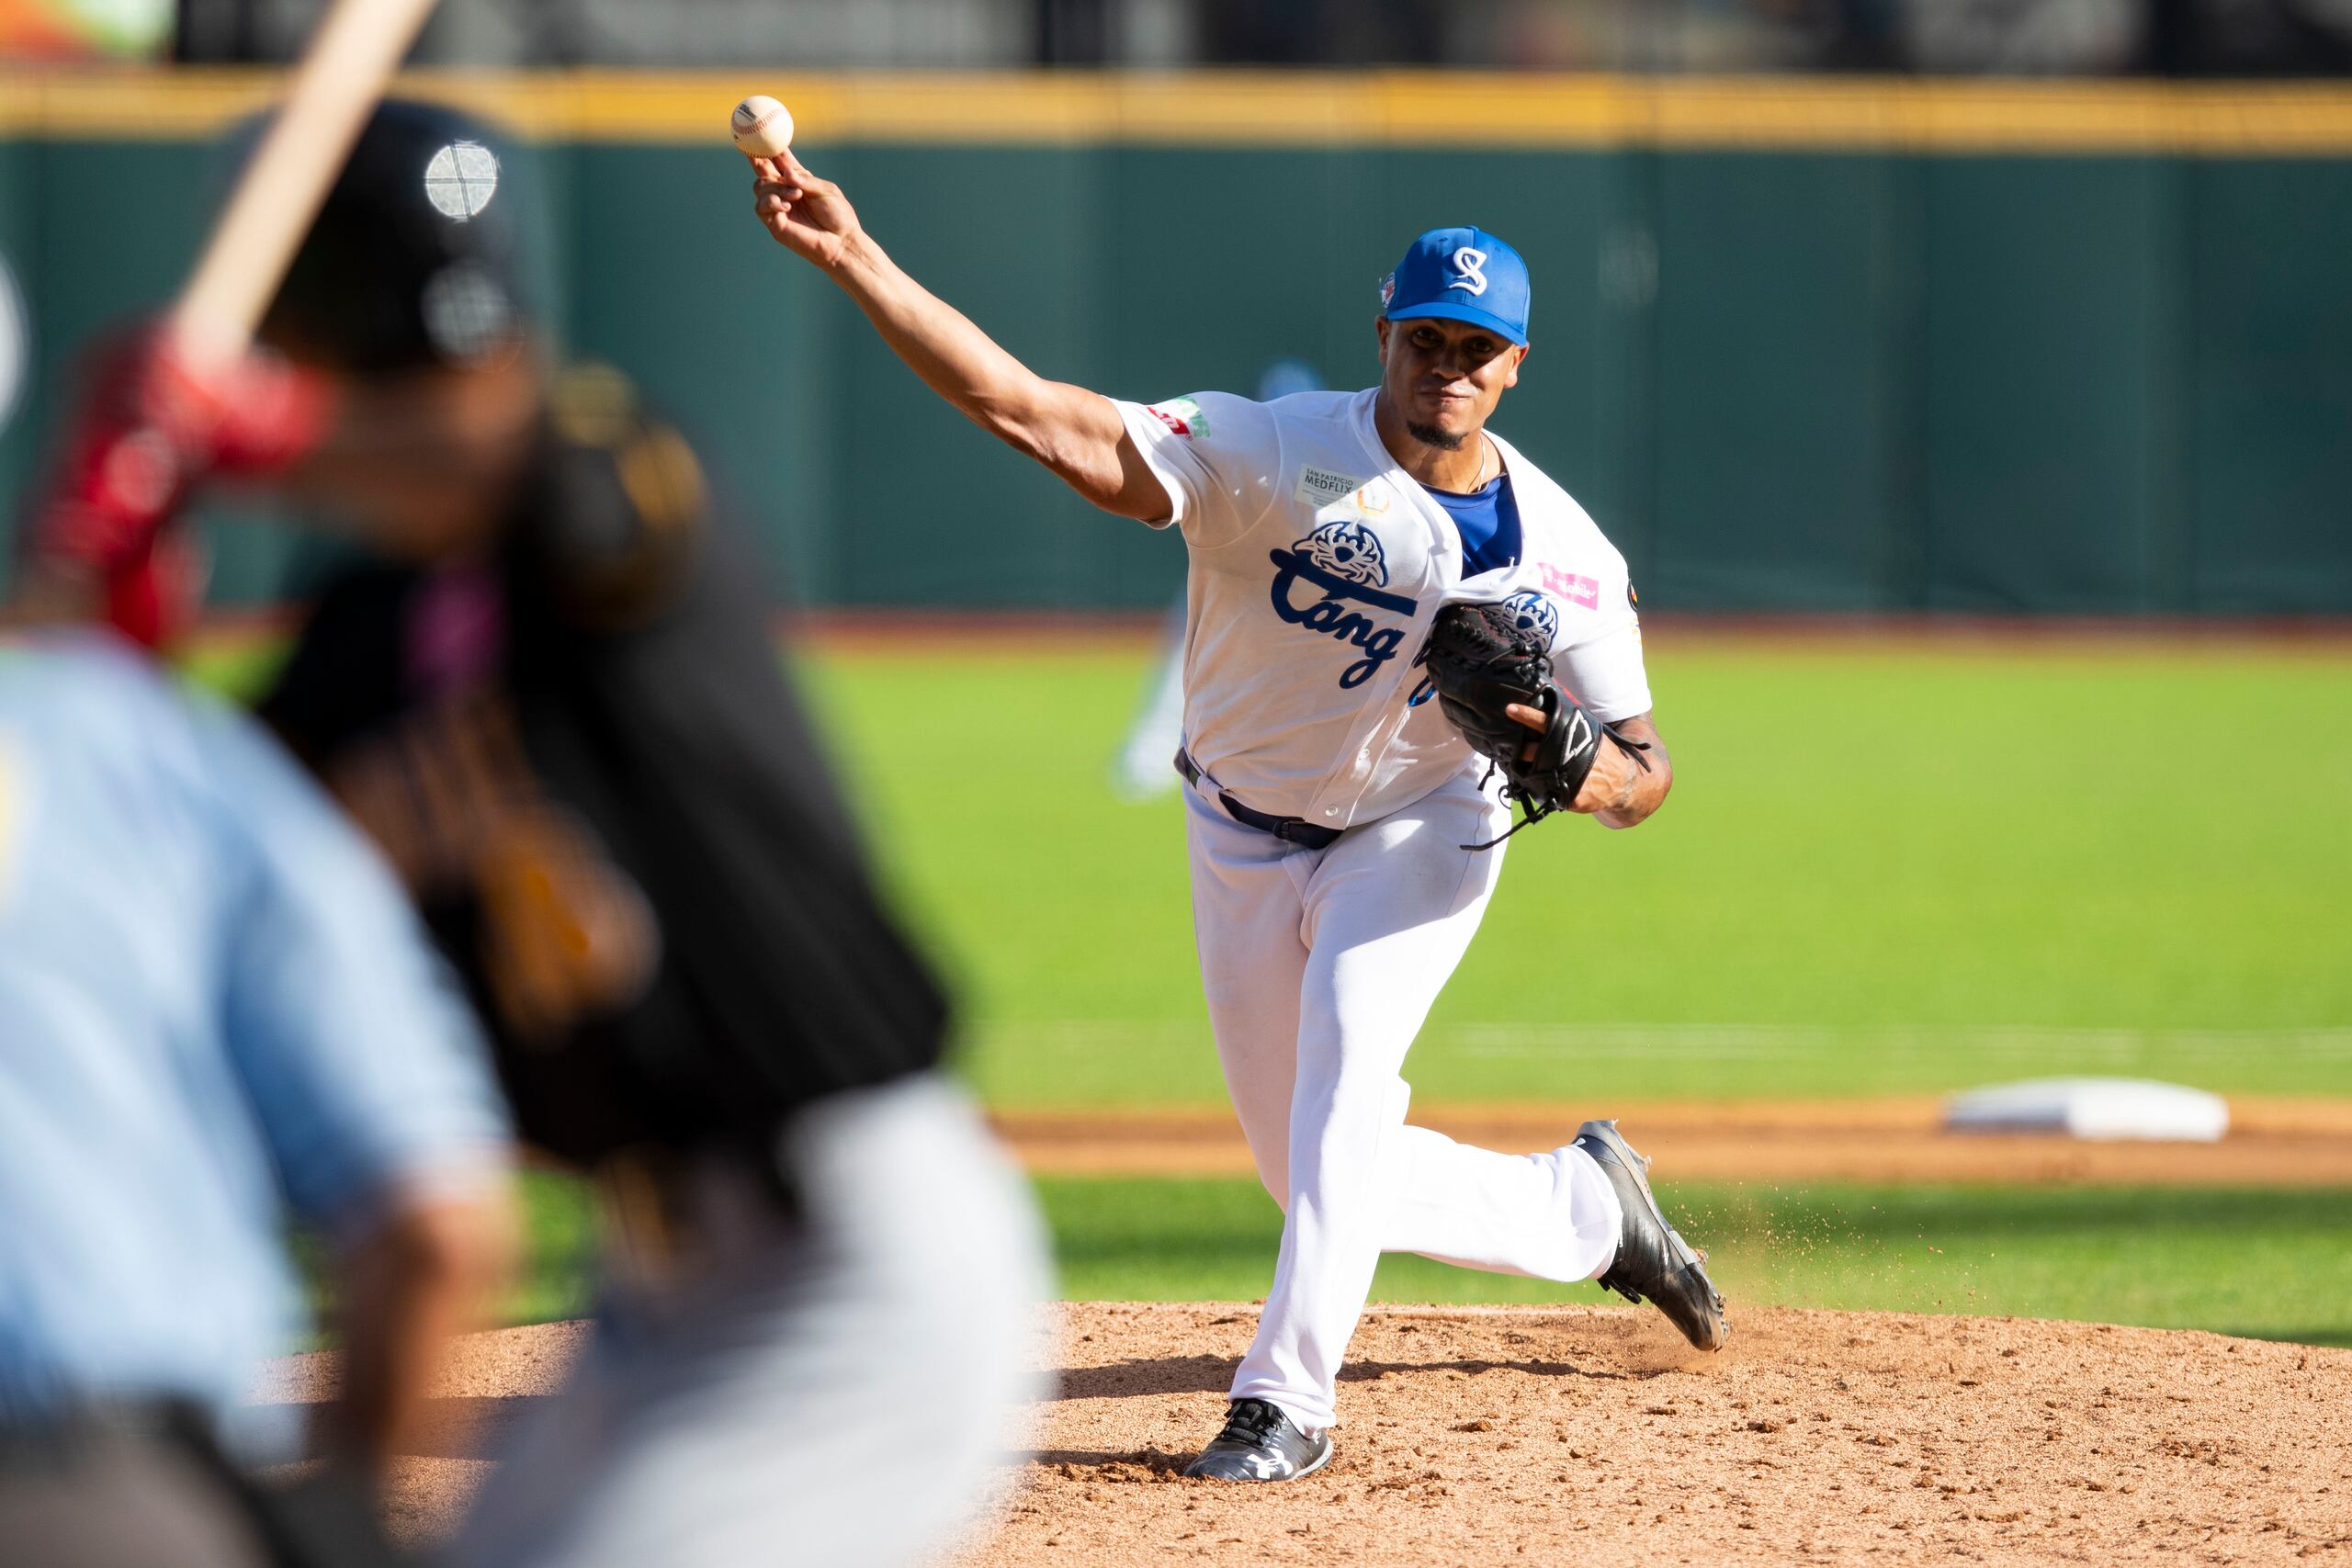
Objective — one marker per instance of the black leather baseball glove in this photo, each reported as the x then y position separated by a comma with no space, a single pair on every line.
1479,663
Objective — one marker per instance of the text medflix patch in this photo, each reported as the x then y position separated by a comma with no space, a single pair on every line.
1321,487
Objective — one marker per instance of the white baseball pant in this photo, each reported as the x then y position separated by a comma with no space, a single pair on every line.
1319,967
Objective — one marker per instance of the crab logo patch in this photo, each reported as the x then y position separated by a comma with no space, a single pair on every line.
1532,613
1347,550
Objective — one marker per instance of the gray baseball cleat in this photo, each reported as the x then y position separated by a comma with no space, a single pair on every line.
1653,1262
1261,1443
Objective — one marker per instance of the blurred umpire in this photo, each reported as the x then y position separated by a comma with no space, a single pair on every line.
215,1004
549,693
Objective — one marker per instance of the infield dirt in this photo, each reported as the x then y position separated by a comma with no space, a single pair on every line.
1499,1435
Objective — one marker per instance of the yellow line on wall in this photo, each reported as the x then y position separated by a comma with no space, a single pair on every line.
1419,109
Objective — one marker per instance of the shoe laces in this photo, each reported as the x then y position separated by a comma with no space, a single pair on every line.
1252,1420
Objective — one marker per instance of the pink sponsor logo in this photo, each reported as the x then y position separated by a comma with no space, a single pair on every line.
1582,592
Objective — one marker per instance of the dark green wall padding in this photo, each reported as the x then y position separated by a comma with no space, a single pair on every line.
1781,380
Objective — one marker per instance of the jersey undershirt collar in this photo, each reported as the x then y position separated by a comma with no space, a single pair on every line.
1488,520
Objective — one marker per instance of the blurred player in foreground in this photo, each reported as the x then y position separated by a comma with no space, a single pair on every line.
1341,834
214,1002
548,691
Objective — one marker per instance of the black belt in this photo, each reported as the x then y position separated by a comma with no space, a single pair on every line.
1289,830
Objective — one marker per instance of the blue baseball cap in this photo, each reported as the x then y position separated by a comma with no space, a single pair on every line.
1460,275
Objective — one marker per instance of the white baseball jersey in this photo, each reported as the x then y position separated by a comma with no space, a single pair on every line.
1316,564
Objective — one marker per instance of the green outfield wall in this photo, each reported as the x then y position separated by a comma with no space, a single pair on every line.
1841,346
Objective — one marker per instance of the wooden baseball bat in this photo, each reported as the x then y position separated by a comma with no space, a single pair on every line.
358,46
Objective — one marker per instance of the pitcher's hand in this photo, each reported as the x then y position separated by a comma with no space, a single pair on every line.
1617,772
806,215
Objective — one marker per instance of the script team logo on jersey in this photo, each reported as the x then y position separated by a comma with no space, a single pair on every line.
1345,561
1532,612
1470,270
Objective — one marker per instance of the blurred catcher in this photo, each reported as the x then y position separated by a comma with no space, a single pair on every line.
545,687
553,698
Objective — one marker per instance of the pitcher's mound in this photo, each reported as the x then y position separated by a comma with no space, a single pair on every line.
1487,1436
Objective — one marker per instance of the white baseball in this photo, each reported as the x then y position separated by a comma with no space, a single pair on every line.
761,127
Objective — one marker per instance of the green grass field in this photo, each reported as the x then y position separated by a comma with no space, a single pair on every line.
2264,1263
1901,872
1893,872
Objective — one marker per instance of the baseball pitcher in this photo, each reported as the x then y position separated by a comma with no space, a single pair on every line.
1397,628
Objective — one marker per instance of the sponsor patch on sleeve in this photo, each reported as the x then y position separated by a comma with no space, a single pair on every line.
1575,587
1182,415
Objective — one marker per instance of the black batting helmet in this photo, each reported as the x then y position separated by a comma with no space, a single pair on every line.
417,256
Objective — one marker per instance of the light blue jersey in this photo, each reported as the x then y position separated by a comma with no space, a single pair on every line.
215,1002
